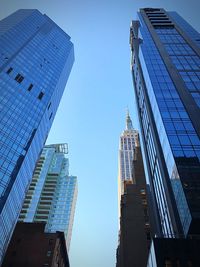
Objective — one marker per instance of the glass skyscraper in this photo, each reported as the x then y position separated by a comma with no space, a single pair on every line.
36,58
128,141
166,74
51,197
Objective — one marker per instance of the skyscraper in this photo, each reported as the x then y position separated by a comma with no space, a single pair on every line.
36,57
166,75
128,141
135,232
51,197
134,226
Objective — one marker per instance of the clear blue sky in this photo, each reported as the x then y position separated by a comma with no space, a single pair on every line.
91,115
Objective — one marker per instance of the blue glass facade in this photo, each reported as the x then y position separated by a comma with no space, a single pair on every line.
166,68
52,194
36,57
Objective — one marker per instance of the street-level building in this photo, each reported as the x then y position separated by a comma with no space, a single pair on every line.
30,246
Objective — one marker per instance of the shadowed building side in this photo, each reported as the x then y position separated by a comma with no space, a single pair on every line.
30,246
174,252
165,60
135,234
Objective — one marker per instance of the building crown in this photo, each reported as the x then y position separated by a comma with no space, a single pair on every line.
129,125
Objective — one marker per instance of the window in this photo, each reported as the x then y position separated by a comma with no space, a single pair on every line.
51,115
40,96
48,253
142,192
144,201
148,236
30,87
49,105
9,70
19,78
168,263
189,263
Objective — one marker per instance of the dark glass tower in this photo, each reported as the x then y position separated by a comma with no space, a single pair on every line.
36,57
166,75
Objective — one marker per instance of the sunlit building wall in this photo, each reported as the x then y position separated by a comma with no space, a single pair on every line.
128,141
51,197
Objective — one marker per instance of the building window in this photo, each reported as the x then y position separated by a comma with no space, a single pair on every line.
51,115
189,263
40,96
50,242
49,105
19,78
142,192
9,70
30,87
168,263
148,236
48,253
144,201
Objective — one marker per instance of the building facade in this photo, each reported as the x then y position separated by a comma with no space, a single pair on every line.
135,233
36,58
128,141
24,247
166,75
52,194
173,252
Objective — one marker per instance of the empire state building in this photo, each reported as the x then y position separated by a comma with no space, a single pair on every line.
128,141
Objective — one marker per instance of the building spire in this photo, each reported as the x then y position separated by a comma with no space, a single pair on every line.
129,125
